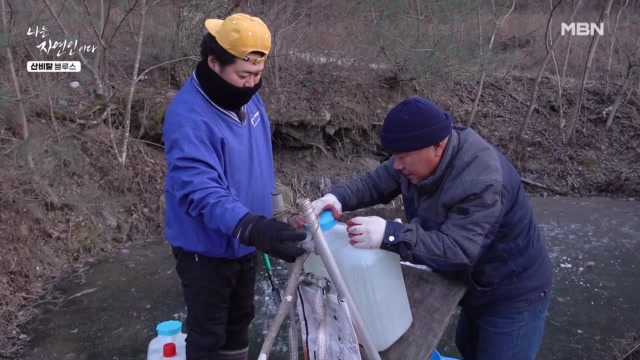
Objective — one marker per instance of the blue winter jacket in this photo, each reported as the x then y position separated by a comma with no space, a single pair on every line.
471,221
218,170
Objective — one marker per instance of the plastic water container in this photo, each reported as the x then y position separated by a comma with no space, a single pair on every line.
374,279
169,332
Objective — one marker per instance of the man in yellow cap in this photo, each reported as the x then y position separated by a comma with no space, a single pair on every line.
218,187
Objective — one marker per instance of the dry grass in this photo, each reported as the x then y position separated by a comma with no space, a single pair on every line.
101,206
627,348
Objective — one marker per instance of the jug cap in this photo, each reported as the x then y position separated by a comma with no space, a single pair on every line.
169,350
326,220
168,328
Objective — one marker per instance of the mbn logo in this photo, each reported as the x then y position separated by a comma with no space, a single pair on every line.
582,29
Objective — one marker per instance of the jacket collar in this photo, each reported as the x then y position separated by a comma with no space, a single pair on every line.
451,150
229,113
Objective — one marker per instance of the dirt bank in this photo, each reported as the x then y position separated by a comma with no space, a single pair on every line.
342,123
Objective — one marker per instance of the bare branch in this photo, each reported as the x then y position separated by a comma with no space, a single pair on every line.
96,76
125,17
625,86
546,33
95,29
613,40
604,16
106,18
633,61
561,85
165,63
534,94
496,26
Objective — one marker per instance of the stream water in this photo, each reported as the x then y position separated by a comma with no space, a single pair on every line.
113,306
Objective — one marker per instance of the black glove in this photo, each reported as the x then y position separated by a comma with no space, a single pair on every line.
271,236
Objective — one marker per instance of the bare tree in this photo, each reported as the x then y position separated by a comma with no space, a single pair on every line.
561,82
536,86
190,29
613,41
496,25
604,16
559,79
633,61
122,156
12,71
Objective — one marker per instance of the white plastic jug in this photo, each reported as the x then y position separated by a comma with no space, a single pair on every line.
374,279
168,332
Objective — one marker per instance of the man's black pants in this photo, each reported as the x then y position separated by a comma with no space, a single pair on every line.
218,294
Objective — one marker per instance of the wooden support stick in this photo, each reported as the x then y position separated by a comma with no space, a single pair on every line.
292,286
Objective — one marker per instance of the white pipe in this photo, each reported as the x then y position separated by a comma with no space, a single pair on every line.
332,268
278,202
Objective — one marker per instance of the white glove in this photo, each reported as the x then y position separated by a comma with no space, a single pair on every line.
327,202
366,232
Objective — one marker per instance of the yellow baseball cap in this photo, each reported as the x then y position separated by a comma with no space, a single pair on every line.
241,34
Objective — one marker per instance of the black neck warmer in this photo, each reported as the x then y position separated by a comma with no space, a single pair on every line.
222,93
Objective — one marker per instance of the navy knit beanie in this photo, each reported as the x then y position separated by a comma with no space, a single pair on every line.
413,124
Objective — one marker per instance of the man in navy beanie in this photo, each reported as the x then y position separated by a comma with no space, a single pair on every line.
469,219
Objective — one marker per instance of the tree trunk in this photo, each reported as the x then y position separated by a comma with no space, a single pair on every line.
16,84
613,41
132,88
561,86
616,105
604,17
190,30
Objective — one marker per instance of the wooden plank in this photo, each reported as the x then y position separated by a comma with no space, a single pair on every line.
433,300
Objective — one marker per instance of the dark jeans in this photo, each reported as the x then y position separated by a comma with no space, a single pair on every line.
218,294
502,337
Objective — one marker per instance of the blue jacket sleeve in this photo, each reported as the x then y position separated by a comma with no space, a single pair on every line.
196,176
469,229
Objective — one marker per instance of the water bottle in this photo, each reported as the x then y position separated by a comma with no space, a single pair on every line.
170,342
374,278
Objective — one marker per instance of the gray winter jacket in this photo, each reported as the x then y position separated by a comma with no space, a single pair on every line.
471,221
